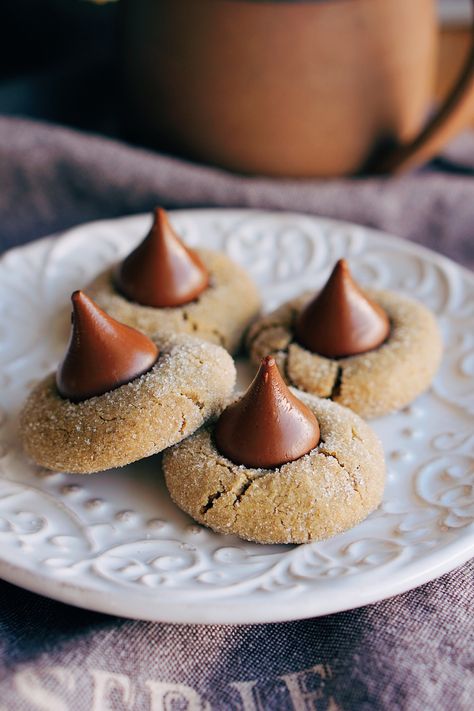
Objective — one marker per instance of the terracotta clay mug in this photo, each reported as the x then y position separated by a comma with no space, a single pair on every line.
290,88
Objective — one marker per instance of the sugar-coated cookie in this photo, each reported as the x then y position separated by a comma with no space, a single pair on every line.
119,396
189,383
199,292
372,383
327,491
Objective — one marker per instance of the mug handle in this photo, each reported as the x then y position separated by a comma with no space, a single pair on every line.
454,113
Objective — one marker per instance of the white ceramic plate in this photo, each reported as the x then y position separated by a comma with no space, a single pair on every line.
115,542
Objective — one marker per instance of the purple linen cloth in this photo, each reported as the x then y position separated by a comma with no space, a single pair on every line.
53,178
413,652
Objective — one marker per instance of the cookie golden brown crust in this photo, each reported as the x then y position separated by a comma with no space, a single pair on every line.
189,383
219,315
371,384
327,491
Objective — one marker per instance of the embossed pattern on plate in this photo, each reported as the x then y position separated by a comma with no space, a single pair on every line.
115,542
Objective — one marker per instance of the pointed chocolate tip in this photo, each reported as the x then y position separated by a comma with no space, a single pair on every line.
162,272
268,426
341,266
266,365
341,321
102,353
160,223
159,215
82,304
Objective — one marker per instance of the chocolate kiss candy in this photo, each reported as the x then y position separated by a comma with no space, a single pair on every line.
102,353
161,271
341,320
268,426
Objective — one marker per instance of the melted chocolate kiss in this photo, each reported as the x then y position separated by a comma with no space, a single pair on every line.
102,353
341,320
161,271
268,426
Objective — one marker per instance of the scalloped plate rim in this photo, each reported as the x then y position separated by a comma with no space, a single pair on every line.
228,612
386,237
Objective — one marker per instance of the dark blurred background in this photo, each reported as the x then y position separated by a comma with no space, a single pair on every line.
58,61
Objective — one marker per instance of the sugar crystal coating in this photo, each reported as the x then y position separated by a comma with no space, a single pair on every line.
372,384
220,314
327,491
190,383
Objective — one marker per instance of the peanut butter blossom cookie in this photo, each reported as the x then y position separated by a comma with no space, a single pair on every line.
164,285
373,351
119,396
279,466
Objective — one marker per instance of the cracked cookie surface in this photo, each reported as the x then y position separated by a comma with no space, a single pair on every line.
372,384
219,315
325,492
190,382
